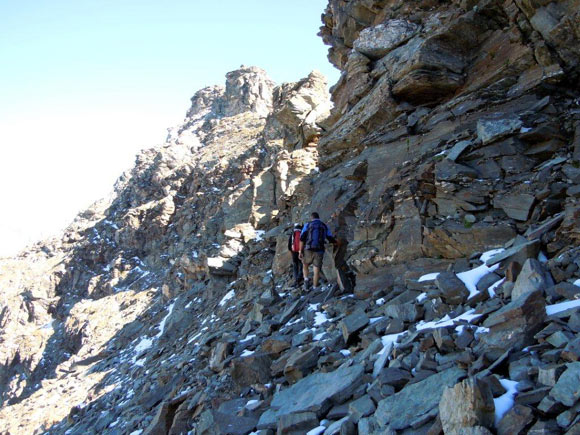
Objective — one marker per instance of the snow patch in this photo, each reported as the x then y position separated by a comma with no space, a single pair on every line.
316,431
229,295
505,402
491,289
421,297
468,316
247,353
320,318
162,324
428,277
562,306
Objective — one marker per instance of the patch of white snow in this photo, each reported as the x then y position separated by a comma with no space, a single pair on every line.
229,295
428,277
505,402
562,306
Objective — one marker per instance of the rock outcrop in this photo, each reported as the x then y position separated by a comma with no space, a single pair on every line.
448,169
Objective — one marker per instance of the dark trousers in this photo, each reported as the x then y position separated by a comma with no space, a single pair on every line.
296,267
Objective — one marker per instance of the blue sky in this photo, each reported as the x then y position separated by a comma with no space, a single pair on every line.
85,84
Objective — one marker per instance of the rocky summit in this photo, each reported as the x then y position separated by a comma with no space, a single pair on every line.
446,160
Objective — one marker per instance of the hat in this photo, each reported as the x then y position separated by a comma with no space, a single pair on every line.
297,225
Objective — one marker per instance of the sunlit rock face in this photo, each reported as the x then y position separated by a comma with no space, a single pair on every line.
444,161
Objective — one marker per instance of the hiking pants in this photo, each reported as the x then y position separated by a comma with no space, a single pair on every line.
296,267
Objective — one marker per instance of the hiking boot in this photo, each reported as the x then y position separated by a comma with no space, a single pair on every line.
306,284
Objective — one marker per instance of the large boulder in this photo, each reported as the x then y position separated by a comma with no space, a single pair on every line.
315,393
414,402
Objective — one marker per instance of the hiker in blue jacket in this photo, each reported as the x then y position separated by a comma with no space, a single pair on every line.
312,239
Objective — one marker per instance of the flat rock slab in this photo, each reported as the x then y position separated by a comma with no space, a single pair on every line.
251,369
517,253
517,206
515,420
515,324
567,389
457,150
453,290
491,129
400,409
315,393
531,278
353,323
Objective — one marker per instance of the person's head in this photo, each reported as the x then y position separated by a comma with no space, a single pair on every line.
297,226
315,215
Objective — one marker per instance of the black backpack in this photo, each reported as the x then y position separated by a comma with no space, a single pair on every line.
316,235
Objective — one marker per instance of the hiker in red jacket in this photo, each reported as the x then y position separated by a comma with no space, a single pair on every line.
294,248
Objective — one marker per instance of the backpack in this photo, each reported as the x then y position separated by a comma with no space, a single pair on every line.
296,240
316,235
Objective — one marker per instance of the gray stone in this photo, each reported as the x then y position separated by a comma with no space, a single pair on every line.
337,427
300,363
544,427
567,389
398,410
565,290
468,403
560,338
574,321
446,170
377,41
457,149
361,407
567,417
484,283
394,376
296,424
453,290
251,369
314,393
290,311
515,420
475,430
549,375
368,426
519,370
489,130
531,278
515,324
516,205
353,323
572,351
549,405
519,253
409,312
217,423
532,397
161,422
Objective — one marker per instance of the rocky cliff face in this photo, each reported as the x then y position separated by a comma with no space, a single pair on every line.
448,167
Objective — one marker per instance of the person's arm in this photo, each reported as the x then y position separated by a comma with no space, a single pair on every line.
329,236
290,241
